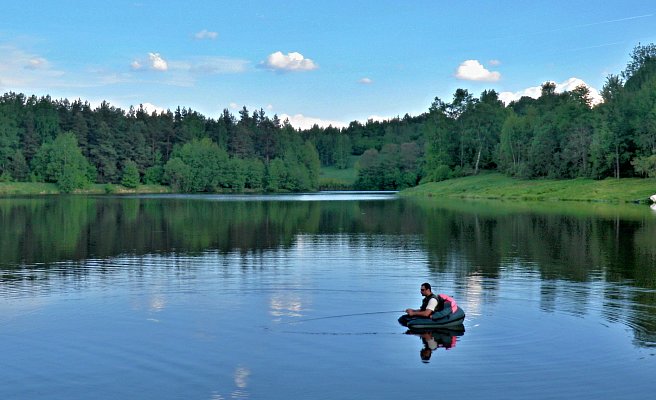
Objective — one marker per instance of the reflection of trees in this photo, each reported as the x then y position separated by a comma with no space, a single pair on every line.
34,230
474,242
559,247
579,247
47,230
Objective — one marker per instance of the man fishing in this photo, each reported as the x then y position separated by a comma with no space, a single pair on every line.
436,311
428,303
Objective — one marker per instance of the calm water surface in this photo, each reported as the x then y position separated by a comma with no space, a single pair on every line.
278,297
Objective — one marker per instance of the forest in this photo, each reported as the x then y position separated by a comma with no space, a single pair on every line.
557,136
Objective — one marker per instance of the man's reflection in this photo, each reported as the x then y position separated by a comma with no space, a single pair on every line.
436,338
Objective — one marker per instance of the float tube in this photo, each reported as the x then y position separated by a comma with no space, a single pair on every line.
449,321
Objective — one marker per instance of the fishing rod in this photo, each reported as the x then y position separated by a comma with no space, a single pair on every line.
338,316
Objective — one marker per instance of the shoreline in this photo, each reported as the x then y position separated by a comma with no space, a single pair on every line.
14,189
36,189
485,186
496,186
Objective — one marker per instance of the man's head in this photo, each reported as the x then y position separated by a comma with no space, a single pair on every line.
426,289
425,354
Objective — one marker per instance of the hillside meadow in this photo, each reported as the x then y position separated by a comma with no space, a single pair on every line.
499,186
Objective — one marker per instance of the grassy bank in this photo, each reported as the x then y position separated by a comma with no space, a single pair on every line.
332,178
34,189
498,186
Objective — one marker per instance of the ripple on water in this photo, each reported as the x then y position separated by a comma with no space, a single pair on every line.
159,322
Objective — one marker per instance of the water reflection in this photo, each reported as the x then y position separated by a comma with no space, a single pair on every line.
286,305
241,376
201,298
434,339
580,258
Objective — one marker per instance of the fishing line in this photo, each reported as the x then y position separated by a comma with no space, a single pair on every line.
338,316
342,333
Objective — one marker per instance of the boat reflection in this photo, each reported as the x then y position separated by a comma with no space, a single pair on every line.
433,339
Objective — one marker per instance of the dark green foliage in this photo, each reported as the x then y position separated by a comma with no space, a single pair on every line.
105,155
253,171
178,175
393,168
154,175
276,175
209,154
197,166
130,175
9,137
558,135
641,57
235,180
61,162
645,166
18,167
441,173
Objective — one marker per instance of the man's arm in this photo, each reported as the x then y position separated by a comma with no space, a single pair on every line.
418,313
430,308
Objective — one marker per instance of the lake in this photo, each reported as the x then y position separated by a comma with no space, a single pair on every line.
297,296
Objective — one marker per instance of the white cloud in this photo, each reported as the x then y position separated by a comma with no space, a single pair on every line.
205,34
290,62
303,122
473,70
533,92
536,91
234,105
37,63
136,65
185,73
21,70
366,81
157,62
494,63
379,118
151,108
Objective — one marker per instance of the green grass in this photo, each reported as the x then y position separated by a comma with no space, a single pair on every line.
332,178
33,189
347,175
27,188
107,188
498,186
499,208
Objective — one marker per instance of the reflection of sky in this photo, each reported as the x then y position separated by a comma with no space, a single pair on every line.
241,381
27,305
320,196
285,305
293,303
515,314
473,298
241,376
157,302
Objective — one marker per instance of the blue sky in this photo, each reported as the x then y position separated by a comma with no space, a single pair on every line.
328,61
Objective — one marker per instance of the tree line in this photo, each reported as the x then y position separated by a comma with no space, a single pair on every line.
558,135
71,144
